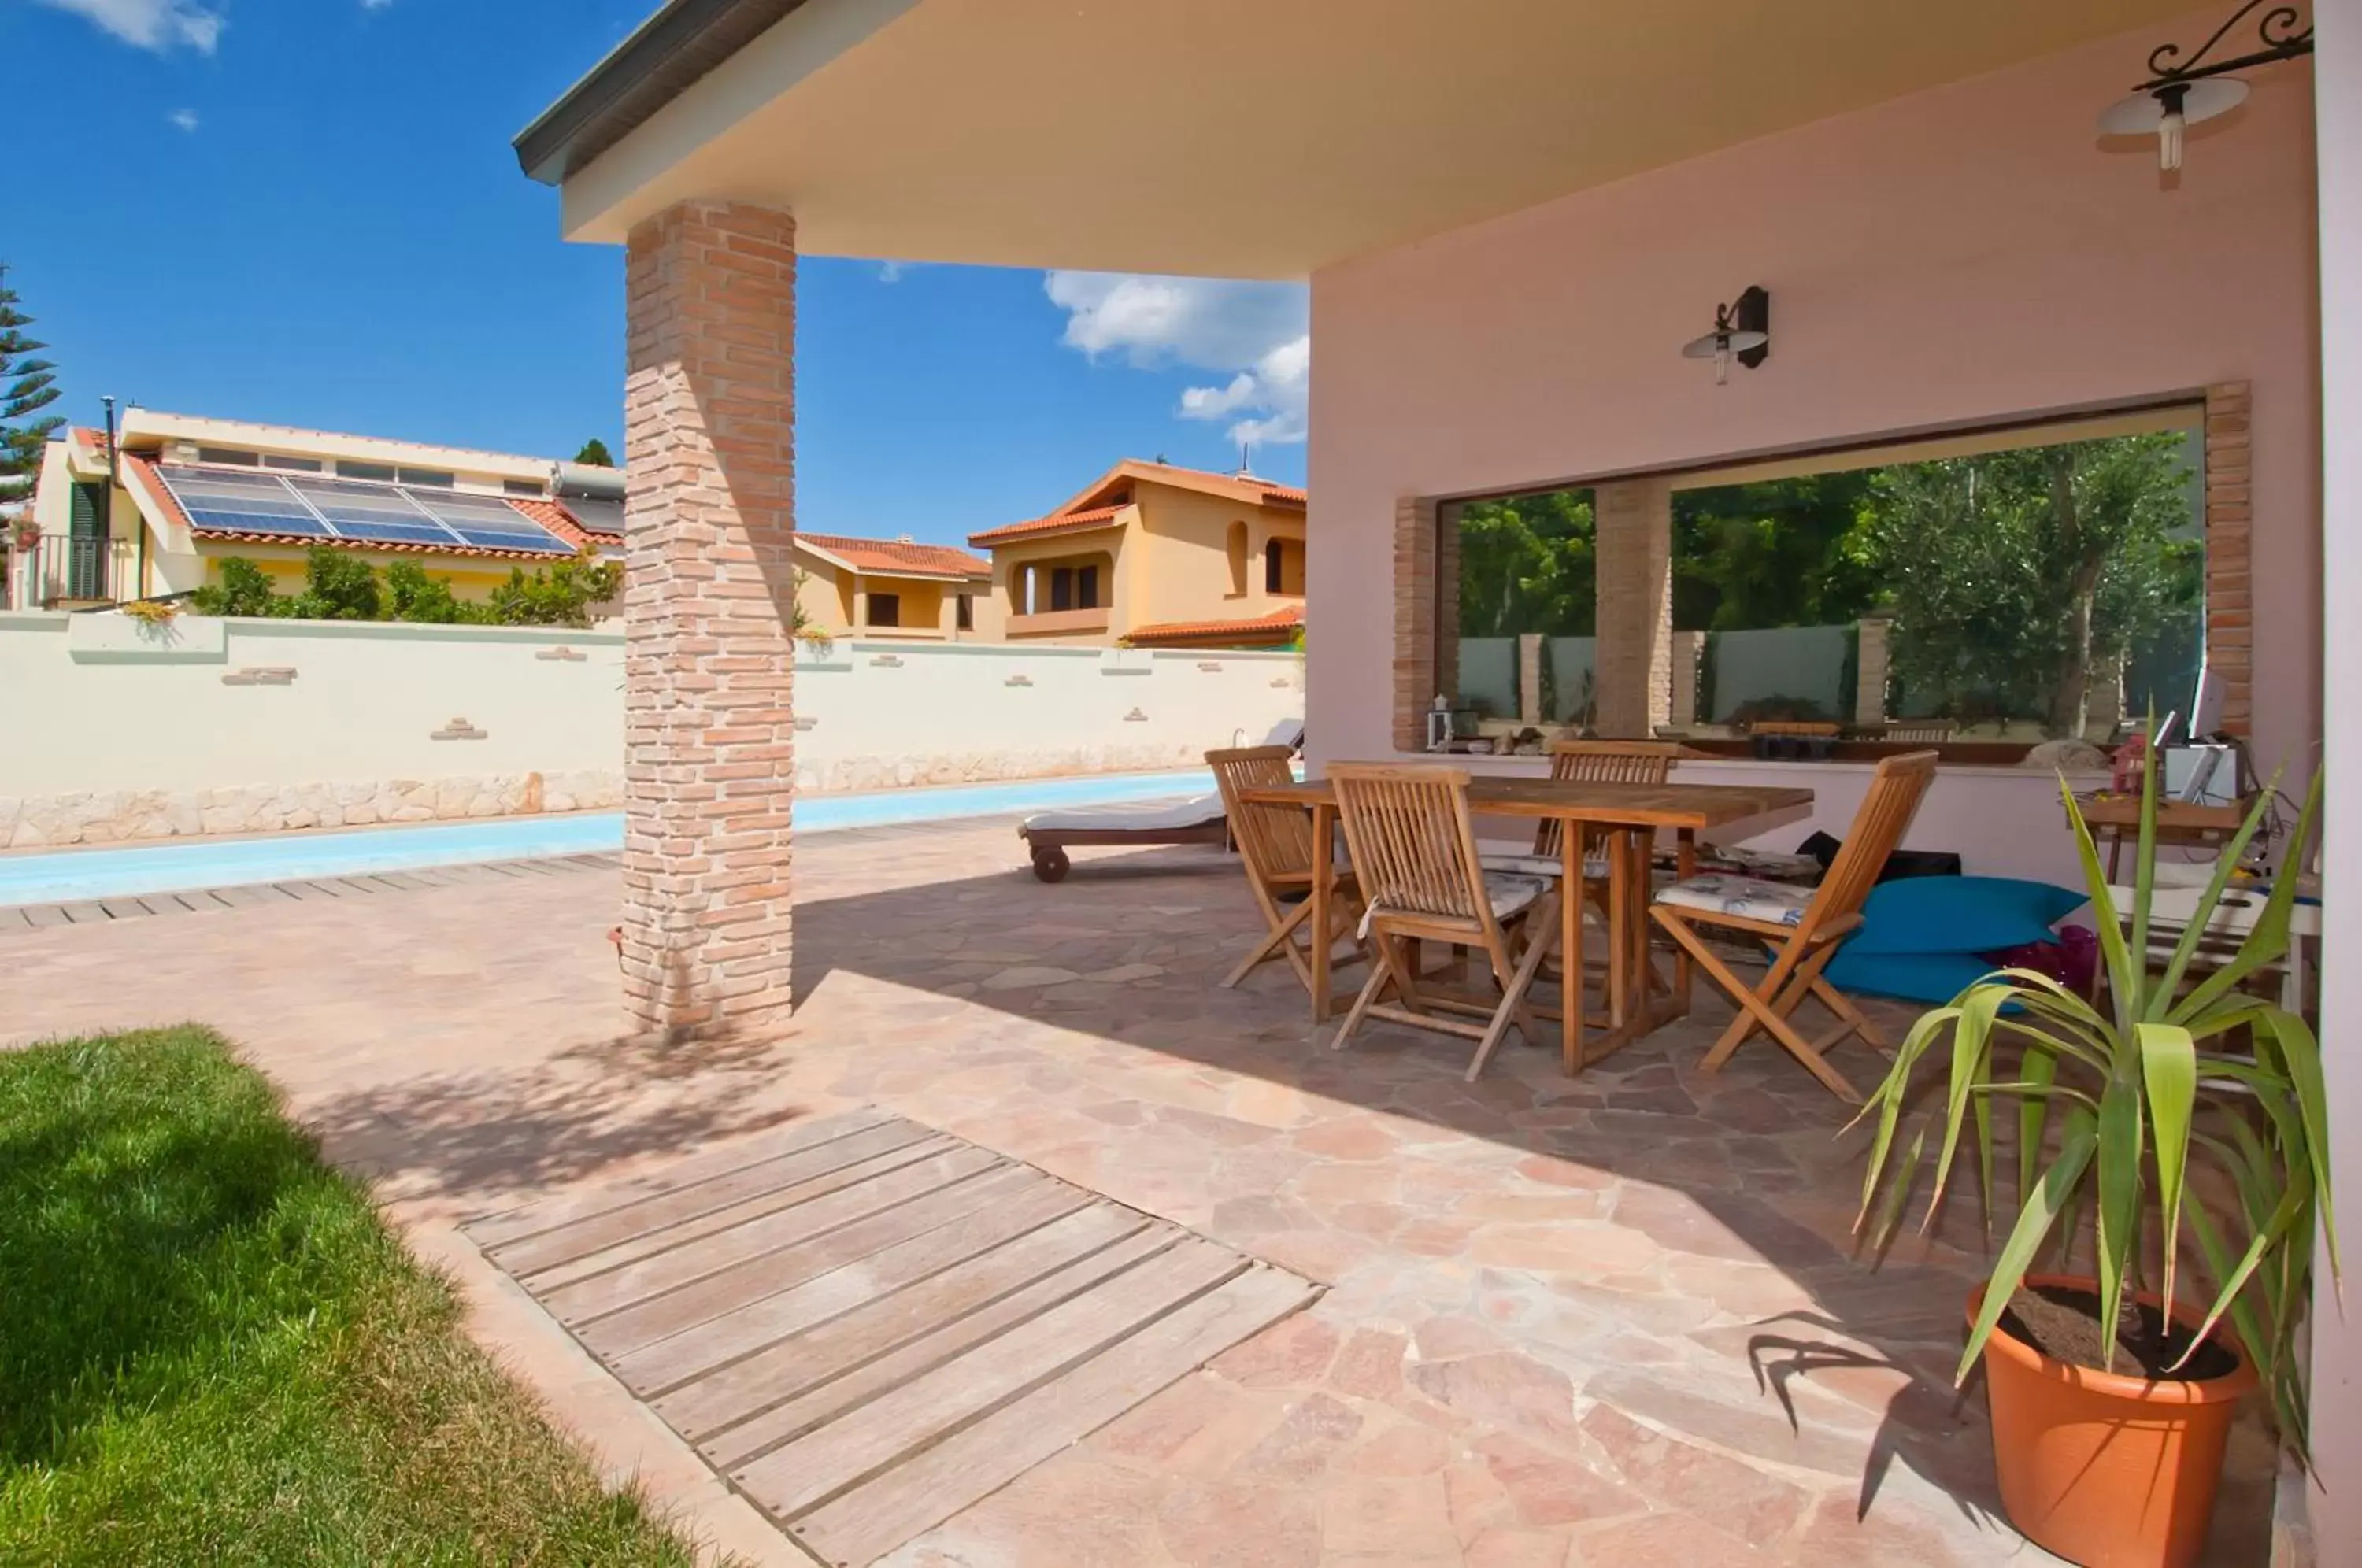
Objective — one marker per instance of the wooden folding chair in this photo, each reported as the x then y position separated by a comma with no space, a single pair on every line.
1802,926
1275,844
1414,851
1588,762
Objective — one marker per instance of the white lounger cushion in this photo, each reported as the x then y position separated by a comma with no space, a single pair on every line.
1149,815
1778,903
1538,865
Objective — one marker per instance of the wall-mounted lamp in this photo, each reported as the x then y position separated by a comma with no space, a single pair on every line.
1742,331
2181,93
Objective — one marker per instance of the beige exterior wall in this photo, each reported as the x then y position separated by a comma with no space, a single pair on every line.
248,726
824,595
835,601
236,726
1111,550
1167,556
1183,569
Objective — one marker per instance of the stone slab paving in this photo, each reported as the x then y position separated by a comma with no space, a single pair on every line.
1610,1320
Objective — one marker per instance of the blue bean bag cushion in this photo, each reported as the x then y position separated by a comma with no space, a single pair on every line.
1957,915
1913,977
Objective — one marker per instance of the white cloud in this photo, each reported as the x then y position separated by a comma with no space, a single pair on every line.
1258,332
186,119
160,25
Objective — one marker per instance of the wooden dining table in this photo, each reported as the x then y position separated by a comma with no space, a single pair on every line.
1623,820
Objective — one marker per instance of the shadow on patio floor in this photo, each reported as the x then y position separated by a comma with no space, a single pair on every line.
1658,1242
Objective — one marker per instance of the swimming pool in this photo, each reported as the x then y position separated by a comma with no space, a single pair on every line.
69,875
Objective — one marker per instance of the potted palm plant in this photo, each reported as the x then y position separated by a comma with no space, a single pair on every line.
2183,1109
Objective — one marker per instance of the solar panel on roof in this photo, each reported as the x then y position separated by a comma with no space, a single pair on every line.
492,523
376,512
540,544
244,503
596,513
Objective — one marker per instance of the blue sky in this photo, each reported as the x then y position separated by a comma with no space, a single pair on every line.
306,212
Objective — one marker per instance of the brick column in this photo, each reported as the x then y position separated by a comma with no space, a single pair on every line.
2230,602
1529,678
1426,656
1871,670
1689,647
709,770
1635,657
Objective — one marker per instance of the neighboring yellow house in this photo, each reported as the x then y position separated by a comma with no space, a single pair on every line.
180,493
1156,556
893,588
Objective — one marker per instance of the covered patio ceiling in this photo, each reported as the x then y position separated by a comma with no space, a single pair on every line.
1222,138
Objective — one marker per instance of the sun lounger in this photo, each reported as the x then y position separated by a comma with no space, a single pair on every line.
1049,834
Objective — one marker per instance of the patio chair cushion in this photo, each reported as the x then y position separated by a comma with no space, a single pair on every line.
1538,865
1749,898
1509,896
1960,914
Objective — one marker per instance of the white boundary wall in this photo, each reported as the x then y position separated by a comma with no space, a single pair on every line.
111,732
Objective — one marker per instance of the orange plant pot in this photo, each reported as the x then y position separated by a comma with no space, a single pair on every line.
2105,1470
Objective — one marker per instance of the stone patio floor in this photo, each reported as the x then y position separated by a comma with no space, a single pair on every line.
1609,1319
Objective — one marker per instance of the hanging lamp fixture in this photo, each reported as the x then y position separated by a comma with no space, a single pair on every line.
2182,91
1742,331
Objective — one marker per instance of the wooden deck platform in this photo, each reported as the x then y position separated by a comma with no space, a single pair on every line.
866,1325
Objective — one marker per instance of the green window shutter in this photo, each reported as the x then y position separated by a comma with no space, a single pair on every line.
88,511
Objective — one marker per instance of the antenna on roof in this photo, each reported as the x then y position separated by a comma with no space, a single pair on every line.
1246,469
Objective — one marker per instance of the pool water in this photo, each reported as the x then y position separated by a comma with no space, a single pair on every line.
66,876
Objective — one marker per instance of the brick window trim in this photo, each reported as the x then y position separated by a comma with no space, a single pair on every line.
1426,565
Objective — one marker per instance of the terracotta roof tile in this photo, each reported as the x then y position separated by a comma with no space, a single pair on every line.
889,557
1097,517
554,517
143,473
1276,627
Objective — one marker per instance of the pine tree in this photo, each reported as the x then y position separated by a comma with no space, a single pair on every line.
594,454
26,386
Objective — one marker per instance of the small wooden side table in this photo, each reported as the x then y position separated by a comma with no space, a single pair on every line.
2117,818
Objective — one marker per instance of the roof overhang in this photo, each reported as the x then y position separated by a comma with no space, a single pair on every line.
1225,137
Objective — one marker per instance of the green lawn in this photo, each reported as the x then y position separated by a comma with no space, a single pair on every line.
212,1350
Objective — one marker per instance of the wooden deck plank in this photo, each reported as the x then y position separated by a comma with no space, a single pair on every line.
886,1324
678,1219
640,1303
875,1518
863,1441
818,1377
492,1231
669,1363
